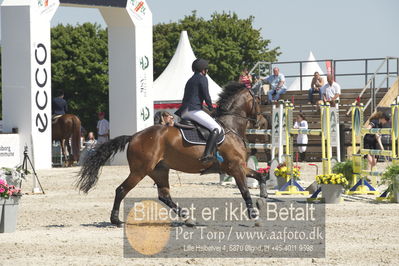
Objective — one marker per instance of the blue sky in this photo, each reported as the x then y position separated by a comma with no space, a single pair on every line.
335,29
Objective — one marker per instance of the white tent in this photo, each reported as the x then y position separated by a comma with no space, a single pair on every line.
169,86
307,69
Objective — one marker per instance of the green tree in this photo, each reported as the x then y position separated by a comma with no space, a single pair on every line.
80,68
229,43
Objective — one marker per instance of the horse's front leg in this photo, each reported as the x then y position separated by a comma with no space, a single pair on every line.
261,179
239,174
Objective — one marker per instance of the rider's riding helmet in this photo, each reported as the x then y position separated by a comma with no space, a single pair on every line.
199,65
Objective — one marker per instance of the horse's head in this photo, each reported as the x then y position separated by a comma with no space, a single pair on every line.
239,102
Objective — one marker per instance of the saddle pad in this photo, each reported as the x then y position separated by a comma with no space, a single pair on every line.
194,137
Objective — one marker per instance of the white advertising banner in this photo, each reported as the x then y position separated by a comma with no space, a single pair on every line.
26,74
141,16
9,150
278,116
42,12
334,122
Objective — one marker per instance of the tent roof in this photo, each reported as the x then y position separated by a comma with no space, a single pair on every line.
169,86
308,69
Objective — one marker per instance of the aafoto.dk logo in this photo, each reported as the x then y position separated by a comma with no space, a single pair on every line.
42,3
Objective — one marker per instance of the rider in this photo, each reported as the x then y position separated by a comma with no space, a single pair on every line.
195,92
59,105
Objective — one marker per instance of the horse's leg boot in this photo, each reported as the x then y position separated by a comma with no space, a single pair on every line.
210,147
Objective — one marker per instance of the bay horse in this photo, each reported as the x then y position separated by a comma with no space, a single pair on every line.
156,149
64,128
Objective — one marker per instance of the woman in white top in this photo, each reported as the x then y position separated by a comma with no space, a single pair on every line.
301,123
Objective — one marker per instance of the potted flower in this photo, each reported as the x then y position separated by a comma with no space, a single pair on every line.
9,200
264,171
391,178
332,186
13,176
281,173
345,168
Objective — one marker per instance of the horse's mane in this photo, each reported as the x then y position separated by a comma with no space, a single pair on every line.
227,95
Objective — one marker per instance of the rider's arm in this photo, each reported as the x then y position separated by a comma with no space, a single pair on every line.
205,92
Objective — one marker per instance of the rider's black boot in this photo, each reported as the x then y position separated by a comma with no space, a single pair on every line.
210,147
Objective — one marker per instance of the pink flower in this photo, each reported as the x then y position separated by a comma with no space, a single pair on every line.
2,189
3,182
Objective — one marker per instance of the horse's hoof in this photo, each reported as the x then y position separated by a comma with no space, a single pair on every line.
189,222
260,203
117,223
259,223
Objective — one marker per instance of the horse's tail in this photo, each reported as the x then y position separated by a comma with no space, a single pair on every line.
88,175
76,139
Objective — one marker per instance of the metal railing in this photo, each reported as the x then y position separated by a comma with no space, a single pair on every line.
370,83
263,68
388,68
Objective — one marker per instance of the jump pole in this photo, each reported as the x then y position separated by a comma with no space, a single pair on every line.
360,184
292,186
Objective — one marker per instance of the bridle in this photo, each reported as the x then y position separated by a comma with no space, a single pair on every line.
252,119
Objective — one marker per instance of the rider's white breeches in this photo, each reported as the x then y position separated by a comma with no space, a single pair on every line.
202,118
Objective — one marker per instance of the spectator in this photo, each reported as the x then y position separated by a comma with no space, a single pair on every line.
102,128
317,83
59,105
89,147
277,85
331,91
373,141
257,86
245,78
301,123
164,118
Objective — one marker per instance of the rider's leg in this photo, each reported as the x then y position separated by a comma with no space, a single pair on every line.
207,121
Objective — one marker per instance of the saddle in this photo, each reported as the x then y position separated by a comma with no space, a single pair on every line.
195,133
54,118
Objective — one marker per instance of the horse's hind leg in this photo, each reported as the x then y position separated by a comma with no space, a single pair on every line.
130,182
62,143
160,175
70,156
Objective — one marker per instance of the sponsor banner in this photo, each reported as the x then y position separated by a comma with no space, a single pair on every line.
9,150
138,10
224,229
276,128
334,126
43,10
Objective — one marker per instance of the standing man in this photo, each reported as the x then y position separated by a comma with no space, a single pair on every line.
317,83
59,106
102,129
277,85
331,91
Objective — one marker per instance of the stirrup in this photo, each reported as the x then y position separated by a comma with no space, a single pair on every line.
207,158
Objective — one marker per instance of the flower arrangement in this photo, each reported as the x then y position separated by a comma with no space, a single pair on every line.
282,169
335,179
345,168
7,191
13,175
264,170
